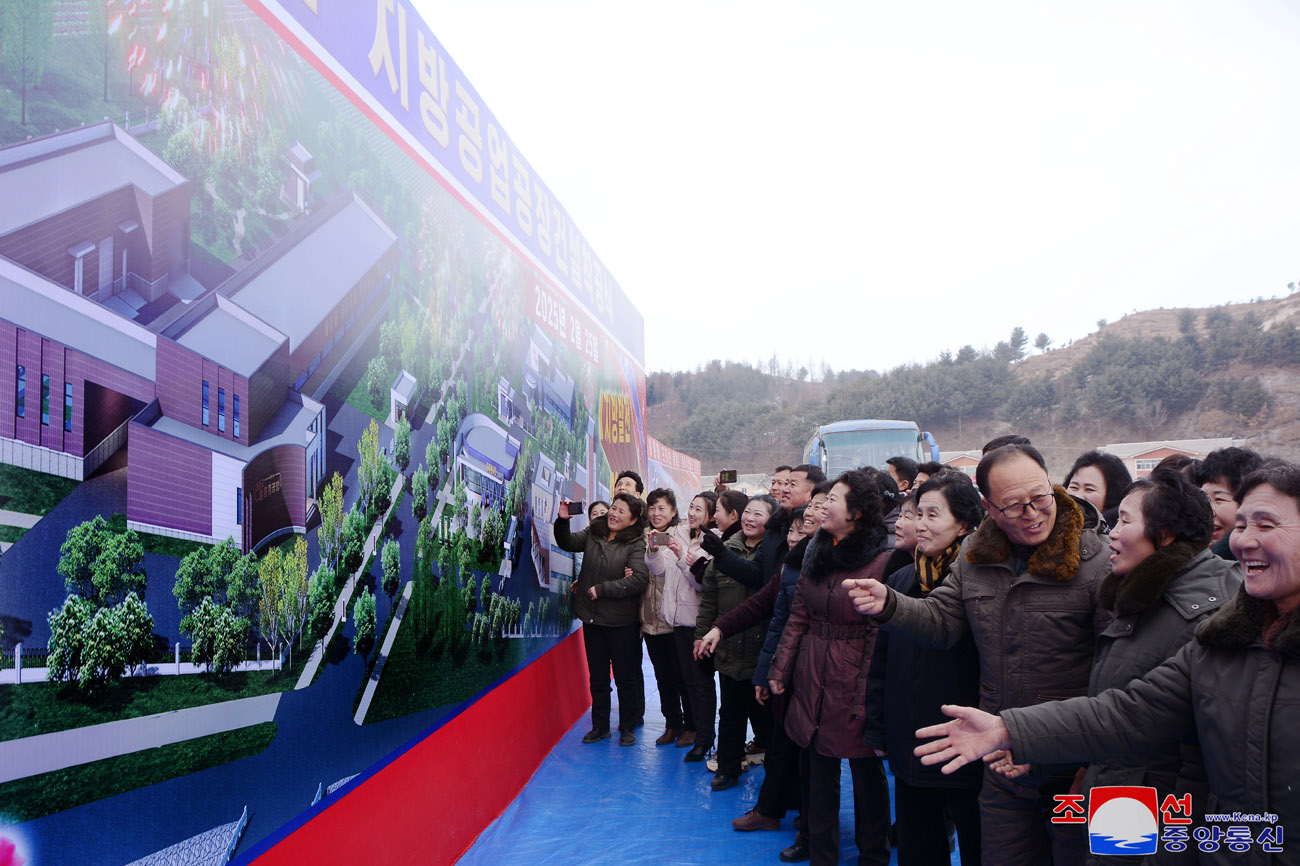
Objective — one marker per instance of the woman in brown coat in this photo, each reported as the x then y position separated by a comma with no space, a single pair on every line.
825,651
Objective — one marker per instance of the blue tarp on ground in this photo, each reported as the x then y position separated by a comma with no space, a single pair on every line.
607,804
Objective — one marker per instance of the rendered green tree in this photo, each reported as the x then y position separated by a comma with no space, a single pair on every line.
135,626
79,553
322,599
420,493
432,458
390,341
377,379
296,593
26,35
270,605
67,638
217,572
369,473
330,507
100,565
219,637
363,612
392,565
402,444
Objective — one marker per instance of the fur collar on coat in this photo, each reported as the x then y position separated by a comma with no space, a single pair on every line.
1056,558
823,557
1240,624
1142,588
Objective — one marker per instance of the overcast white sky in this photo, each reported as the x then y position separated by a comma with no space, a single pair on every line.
809,178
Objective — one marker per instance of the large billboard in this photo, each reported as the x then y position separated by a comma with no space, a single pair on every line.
297,355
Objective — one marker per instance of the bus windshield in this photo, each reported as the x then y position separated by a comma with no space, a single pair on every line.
854,448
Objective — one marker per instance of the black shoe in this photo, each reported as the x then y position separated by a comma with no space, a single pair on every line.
723,781
697,753
594,735
798,852
626,738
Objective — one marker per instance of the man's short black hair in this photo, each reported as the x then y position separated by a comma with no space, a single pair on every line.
812,473
1009,439
1000,455
904,467
1229,465
929,467
782,468
636,479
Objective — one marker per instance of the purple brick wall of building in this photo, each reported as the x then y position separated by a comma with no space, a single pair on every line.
181,374
169,482
266,391
52,364
110,405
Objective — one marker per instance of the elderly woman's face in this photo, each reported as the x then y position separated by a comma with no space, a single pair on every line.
1129,544
1266,541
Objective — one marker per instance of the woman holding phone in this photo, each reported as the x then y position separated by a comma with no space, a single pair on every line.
665,551
607,600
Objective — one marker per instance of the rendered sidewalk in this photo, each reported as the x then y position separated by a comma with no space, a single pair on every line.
56,751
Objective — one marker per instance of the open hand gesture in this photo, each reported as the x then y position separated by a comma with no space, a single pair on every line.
970,736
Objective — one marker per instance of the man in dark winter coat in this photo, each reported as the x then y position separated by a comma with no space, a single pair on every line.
1025,586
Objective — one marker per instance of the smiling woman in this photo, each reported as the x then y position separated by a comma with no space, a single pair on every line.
1231,685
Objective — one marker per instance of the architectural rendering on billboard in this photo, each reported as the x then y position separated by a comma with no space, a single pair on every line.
298,357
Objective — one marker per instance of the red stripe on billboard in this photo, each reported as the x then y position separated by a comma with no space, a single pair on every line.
432,802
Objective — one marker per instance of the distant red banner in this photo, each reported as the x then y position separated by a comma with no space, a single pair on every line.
673,469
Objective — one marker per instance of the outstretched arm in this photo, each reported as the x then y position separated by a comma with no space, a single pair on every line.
970,736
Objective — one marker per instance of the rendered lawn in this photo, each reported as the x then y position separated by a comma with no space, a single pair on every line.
37,796
413,682
41,708
31,492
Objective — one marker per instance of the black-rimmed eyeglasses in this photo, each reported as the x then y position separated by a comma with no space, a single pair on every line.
1039,503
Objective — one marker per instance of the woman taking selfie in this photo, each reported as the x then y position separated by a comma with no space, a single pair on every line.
735,656
608,602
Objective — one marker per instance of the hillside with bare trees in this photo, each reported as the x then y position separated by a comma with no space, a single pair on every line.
1159,374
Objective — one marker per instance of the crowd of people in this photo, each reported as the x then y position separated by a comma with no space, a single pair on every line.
1003,643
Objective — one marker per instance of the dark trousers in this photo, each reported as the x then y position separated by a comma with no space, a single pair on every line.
780,791
870,809
697,682
1016,826
739,705
619,646
673,702
922,815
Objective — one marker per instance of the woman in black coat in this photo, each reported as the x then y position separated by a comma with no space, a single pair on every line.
918,680
608,599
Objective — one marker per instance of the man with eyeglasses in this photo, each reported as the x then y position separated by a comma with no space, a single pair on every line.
1025,586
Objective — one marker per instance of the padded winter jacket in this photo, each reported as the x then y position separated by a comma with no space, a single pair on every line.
604,561
1035,622
1227,690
